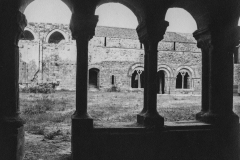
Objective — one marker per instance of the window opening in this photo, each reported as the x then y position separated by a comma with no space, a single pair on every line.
183,80
161,82
56,37
105,41
138,79
113,81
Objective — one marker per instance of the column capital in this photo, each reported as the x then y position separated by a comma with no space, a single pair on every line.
203,38
14,26
227,37
83,25
151,32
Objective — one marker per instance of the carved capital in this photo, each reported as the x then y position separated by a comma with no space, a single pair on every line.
226,37
153,32
83,25
203,38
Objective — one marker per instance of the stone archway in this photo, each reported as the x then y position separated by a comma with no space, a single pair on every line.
55,36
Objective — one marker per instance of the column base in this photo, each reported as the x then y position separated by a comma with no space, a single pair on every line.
83,123
199,115
150,120
12,138
140,118
218,119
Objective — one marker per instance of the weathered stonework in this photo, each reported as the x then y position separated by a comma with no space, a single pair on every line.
114,52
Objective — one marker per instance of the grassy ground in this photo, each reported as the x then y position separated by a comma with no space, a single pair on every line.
48,116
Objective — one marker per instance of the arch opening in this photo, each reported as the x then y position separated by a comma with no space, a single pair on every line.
137,79
180,20
116,15
94,78
28,35
56,37
47,11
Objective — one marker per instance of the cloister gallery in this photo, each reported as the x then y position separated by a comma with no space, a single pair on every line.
215,132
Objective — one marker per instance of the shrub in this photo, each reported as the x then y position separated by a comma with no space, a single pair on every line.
53,134
114,89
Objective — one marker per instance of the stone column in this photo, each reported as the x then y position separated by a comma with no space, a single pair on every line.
140,115
203,38
150,34
218,45
11,125
83,29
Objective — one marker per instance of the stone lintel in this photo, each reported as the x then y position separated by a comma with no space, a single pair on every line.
83,25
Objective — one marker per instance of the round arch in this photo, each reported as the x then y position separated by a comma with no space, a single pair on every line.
167,69
133,67
66,37
25,3
135,7
200,14
95,66
186,68
33,33
180,20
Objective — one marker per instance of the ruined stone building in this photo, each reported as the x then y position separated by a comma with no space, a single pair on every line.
116,58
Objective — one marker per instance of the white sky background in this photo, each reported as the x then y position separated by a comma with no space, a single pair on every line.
110,14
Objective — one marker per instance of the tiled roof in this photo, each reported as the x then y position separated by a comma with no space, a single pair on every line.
126,33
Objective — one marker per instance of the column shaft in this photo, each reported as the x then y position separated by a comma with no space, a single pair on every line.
152,78
146,56
205,81
82,77
221,80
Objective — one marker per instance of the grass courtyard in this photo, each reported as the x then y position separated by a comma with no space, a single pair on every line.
48,116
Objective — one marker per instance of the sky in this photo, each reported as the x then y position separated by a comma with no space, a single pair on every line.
110,14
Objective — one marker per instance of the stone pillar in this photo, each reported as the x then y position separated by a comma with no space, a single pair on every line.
217,45
11,125
83,29
203,38
140,115
150,34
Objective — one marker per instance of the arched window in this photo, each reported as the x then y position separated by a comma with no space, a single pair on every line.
183,80
56,37
27,35
94,78
137,80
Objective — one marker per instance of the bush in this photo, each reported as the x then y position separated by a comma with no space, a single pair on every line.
114,89
42,88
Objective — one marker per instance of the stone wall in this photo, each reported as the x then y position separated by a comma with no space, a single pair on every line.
113,51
